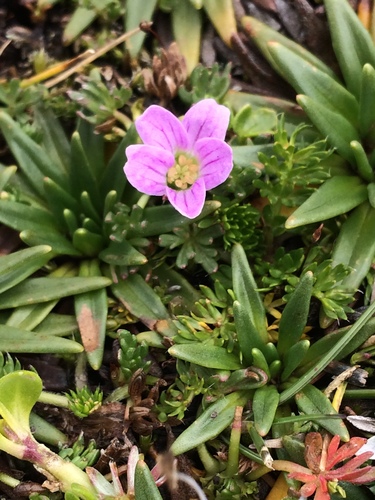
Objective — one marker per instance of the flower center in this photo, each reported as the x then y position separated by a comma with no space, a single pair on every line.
184,172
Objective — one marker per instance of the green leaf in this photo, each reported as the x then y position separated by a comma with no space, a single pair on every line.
355,245
307,79
87,242
351,42
35,290
294,317
362,162
59,244
61,325
312,401
122,254
81,19
249,312
261,34
82,174
19,391
141,300
210,423
294,358
136,12
338,195
91,312
20,216
265,403
338,130
32,159
54,137
367,102
144,484
17,266
187,25
113,176
16,340
329,341
250,123
209,356
221,14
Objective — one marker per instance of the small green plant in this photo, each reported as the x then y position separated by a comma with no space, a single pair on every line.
83,401
343,113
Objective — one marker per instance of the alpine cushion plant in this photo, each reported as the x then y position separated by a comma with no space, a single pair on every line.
181,159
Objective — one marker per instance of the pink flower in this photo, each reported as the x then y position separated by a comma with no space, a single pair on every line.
181,159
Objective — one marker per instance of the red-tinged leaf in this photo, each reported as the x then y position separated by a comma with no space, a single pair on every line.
332,449
368,477
352,465
308,489
355,475
303,477
345,451
322,490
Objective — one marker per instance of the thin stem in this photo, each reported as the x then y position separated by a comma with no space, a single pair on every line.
360,394
235,437
50,398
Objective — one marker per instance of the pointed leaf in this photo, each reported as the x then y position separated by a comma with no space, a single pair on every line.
307,79
32,158
21,341
187,25
17,266
122,254
141,300
35,290
144,484
351,42
209,356
294,317
312,401
59,244
355,245
338,195
338,130
249,313
221,14
214,419
261,34
136,12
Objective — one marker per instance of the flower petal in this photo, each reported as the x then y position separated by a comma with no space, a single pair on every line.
147,167
188,202
159,127
216,161
207,118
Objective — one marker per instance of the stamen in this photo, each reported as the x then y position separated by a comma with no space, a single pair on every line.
184,172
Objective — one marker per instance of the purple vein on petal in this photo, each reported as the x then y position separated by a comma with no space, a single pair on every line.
147,167
206,119
190,201
216,161
159,127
